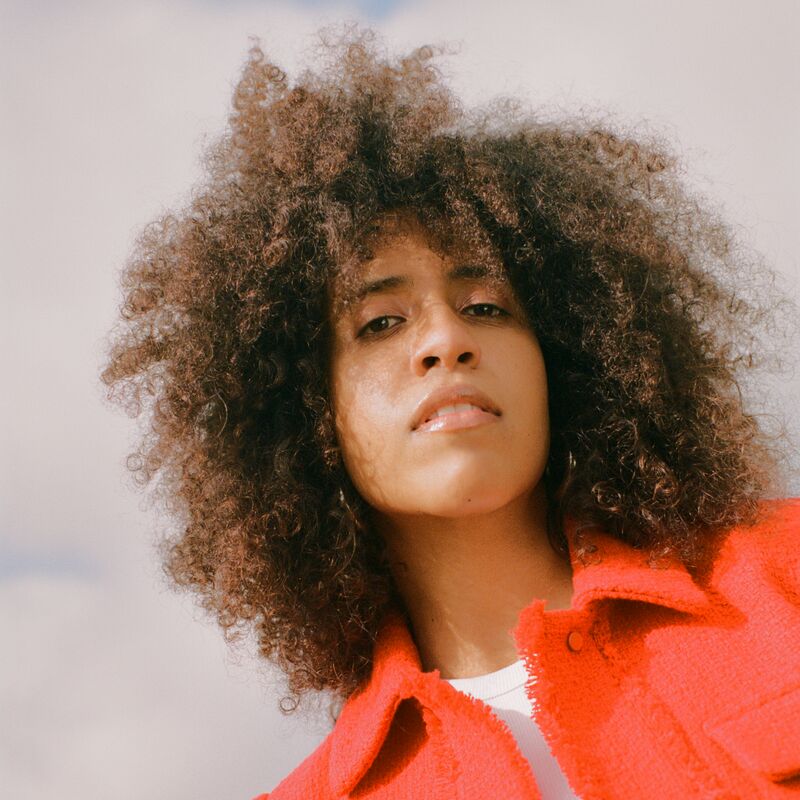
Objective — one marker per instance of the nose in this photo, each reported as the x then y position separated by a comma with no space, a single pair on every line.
445,338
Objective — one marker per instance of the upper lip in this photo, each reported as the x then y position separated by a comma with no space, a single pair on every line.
449,396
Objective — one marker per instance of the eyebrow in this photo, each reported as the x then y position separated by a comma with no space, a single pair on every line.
464,272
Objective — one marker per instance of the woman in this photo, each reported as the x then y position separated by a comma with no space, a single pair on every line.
448,407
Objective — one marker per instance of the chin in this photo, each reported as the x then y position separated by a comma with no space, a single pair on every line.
460,501
473,509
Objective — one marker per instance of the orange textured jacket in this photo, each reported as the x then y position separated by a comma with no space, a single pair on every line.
656,683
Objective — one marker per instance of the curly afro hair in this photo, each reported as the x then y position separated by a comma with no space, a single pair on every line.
225,332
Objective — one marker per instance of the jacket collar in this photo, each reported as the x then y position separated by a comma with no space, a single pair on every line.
367,715
614,571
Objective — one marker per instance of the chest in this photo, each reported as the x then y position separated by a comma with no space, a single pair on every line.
636,698
632,701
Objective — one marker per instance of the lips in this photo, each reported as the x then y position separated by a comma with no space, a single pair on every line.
449,396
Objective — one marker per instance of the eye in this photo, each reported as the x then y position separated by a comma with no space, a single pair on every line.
500,312
375,326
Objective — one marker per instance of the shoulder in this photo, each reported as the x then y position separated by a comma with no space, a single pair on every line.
764,556
771,536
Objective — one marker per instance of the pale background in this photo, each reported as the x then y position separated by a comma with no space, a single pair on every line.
110,685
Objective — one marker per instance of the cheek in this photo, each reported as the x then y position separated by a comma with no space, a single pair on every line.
529,379
362,414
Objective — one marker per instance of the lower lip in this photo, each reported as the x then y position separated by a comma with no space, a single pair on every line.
458,421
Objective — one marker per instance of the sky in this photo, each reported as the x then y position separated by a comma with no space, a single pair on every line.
111,685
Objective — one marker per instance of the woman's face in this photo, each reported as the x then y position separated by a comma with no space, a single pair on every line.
400,349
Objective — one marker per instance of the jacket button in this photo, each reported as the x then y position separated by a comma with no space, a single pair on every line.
575,641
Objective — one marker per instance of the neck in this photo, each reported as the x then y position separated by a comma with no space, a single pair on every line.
464,581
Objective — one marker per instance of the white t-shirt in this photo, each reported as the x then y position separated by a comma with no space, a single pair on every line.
504,692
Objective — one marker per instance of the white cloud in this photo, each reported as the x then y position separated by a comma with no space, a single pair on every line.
113,688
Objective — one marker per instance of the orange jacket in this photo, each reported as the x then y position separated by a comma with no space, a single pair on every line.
656,683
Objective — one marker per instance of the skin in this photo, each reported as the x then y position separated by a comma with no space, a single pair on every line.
462,512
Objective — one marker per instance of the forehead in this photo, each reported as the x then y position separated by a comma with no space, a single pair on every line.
403,247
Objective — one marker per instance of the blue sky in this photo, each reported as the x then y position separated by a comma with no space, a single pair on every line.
16,563
371,9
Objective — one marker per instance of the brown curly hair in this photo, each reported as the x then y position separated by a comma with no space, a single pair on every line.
627,280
